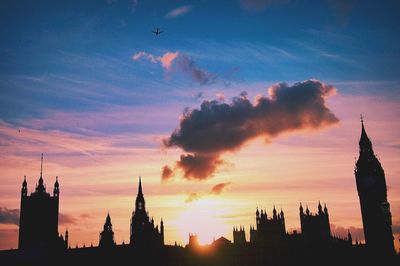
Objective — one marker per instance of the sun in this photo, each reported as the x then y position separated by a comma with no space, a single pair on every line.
204,217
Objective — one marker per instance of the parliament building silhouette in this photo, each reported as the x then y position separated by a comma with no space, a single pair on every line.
40,242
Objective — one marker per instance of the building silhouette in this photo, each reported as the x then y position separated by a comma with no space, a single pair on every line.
239,235
269,242
375,208
268,230
315,228
107,235
143,230
38,225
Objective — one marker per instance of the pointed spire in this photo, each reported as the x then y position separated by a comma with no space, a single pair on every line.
40,187
108,218
41,166
365,143
140,191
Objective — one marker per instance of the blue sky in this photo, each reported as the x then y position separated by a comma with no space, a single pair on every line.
76,55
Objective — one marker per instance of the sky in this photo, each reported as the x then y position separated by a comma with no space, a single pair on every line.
235,105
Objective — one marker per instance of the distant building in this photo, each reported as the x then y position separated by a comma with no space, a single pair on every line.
239,235
268,230
38,225
193,241
143,230
375,208
315,228
221,242
107,235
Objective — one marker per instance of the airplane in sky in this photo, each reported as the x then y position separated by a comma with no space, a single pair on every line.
157,31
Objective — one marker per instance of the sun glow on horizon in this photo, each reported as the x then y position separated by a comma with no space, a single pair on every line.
203,218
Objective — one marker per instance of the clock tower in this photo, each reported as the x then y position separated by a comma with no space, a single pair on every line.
375,209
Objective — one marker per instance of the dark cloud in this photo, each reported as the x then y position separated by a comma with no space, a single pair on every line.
9,216
64,219
187,65
167,173
192,197
217,189
260,5
198,166
218,127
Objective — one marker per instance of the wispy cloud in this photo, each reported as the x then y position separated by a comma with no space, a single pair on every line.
218,188
215,190
177,12
64,219
175,61
9,216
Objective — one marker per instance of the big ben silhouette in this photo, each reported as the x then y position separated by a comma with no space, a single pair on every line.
375,208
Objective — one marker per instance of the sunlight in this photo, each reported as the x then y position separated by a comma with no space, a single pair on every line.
203,217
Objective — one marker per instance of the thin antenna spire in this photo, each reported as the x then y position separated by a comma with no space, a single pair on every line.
41,165
362,118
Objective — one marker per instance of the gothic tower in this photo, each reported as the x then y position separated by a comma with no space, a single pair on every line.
375,209
143,230
38,224
107,236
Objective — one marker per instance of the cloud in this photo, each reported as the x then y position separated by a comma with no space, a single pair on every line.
9,216
167,59
217,189
133,5
175,61
177,12
167,173
217,127
64,219
192,197
260,5
198,166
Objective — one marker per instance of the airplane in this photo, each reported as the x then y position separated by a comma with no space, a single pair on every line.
157,31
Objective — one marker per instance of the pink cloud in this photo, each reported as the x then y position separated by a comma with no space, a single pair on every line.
179,11
167,59
184,64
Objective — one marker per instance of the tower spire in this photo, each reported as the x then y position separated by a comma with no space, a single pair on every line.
365,143
41,166
140,192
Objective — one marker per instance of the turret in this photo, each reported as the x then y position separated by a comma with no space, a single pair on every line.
40,187
66,238
24,189
349,238
274,213
56,191
319,208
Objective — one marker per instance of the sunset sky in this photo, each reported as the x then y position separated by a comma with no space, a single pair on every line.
236,105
